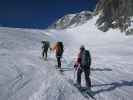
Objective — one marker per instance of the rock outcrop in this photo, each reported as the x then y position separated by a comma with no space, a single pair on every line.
114,14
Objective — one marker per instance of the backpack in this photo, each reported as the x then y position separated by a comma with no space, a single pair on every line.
60,44
85,59
60,49
45,45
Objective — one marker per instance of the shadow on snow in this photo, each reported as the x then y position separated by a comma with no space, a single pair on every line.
112,86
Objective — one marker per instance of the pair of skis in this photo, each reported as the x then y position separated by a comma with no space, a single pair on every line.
83,90
59,69
86,93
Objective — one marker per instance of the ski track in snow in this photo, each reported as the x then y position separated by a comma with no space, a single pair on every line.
24,75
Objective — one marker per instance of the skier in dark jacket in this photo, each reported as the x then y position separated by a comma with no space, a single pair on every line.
45,47
83,63
59,49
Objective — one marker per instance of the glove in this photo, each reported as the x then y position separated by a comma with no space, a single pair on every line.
76,66
50,49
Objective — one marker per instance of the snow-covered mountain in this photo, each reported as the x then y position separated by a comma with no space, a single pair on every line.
25,76
112,14
72,20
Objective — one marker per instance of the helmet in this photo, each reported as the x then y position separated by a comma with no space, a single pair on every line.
43,41
82,47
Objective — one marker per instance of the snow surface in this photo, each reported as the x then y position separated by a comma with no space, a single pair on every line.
24,75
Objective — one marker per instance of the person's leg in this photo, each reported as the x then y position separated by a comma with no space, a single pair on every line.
87,78
79,72
59,62
43,53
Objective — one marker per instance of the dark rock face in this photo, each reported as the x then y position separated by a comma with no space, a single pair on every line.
114,14
129,32
72,20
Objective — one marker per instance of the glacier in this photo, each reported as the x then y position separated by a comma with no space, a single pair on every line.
24,75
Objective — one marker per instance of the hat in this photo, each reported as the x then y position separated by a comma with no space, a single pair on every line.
82,47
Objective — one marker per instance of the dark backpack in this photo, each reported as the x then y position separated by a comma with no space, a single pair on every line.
85,59
60,44
45,45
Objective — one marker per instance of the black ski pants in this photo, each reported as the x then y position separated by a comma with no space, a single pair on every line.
87,76
44,53
58,61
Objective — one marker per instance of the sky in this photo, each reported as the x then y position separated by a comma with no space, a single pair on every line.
39,13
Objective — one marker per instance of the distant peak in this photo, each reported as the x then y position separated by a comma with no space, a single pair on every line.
72,20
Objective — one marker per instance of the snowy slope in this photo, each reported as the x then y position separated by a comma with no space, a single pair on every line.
25,76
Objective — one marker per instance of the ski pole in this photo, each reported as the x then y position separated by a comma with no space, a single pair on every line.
75,70
74,75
